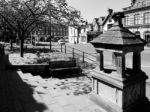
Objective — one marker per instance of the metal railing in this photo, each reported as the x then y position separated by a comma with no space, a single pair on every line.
82,55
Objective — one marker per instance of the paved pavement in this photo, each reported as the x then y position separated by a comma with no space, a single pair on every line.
27,93
23,92
145,56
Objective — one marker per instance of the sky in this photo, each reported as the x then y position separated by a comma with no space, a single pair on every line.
91,9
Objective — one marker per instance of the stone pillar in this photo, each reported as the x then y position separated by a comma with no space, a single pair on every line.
137,61
113,59
120,63
100,61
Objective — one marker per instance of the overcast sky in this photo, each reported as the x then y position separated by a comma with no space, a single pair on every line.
95,8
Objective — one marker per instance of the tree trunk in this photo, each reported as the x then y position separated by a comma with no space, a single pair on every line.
50,45
11,44
21,47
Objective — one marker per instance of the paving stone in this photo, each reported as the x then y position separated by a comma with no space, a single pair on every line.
56,108
47,99
40,80
54,93
26,76
36,96
32,83
70,108
40,90
85,110
81,102
95,108
62,101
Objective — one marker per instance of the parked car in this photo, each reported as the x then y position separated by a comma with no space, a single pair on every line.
61,41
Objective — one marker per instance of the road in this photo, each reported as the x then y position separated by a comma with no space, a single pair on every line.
145,56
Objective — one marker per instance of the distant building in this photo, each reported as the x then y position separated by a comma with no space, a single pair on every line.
97,27
90,30
108,21
73,34
42,33
137,18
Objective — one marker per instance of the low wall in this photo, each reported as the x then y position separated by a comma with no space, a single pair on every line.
39,69
148,90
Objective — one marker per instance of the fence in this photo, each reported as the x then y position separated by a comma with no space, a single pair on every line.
75,53
84,56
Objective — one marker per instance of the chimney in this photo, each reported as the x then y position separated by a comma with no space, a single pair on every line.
117,17
132,2
110,11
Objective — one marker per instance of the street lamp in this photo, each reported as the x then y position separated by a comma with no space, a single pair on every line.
50,27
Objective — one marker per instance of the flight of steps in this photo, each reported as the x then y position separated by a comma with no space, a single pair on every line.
61,68
27,91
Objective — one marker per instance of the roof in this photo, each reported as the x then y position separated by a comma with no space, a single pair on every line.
101,19
108,16
118,35
94,32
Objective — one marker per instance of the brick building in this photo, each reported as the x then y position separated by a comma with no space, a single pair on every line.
137,18
42,33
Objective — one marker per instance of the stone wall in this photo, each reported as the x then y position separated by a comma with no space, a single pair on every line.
37,69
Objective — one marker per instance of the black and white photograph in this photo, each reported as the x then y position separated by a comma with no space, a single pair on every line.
74,55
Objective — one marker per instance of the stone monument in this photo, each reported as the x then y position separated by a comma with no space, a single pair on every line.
118,88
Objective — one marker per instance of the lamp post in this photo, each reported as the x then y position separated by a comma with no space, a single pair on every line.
50,27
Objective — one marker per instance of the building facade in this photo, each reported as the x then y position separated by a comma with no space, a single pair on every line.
73,34
42,33
137,18
91,30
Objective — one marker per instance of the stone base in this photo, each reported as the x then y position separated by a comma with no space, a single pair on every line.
140,106
117,93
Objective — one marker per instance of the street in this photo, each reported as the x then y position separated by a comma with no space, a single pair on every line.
145,56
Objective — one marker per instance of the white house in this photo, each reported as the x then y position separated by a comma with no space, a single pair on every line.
73,34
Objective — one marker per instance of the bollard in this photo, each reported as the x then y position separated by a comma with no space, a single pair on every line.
61,47
73,52
65,49
83,58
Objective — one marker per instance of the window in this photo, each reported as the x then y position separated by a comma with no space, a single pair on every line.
136,19
146,17
127,20
110,20
109,26
147,36
137,33
139,4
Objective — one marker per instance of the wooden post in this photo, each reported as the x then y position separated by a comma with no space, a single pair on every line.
65,49
101,66
73,52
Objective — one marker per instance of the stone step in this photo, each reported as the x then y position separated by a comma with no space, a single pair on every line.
12,88
25,97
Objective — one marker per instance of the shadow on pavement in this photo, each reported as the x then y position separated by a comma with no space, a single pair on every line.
15,94
23,94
